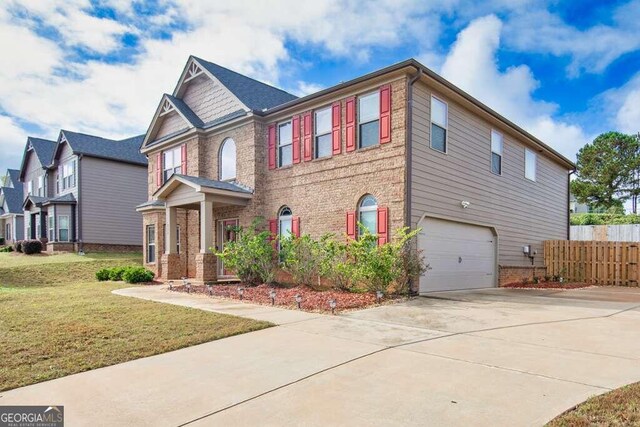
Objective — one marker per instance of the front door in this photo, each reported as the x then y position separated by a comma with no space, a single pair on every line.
226,233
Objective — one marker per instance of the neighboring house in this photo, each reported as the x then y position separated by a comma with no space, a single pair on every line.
400,146
577,207
11,218
80,192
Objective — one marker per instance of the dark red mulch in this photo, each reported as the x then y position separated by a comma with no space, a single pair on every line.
317,301
546,285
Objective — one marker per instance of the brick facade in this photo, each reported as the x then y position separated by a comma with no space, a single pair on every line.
519,274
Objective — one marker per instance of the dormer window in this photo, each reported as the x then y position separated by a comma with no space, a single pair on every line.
227,162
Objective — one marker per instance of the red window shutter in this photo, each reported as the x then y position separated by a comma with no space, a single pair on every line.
385,114
273,229
295,138
295,226
272,146
159,169
336,129
383,226
351,225
350,123
184,159
307,124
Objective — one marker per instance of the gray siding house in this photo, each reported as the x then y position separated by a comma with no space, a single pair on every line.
80,192
11,217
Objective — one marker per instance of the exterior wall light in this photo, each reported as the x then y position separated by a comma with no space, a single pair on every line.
465,204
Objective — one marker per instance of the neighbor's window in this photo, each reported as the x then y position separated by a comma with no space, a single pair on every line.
38,227
63,228
151,244
30,188
171,162
323,133
7,234
530,159
41,186
228,160
369,119
439,123
285,154
496,152
69,174
368,214
52,229
285,222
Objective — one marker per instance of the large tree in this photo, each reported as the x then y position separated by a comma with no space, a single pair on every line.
608,171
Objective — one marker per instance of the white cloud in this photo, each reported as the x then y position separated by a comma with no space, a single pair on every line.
471,64
622,106
12,142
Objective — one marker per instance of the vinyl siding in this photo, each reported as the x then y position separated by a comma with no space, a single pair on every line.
109,193
209,99
65,155
33,169
523,212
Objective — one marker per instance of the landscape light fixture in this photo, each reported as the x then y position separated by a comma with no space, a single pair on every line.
188,287
241,292
379,296
184,281
298,300
170,285
210,289
272,295
333,304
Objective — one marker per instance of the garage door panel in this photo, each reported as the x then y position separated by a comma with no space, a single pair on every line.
461,256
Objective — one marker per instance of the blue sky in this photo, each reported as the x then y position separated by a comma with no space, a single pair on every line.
566,71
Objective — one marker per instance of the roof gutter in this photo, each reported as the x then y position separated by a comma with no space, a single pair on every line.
409,146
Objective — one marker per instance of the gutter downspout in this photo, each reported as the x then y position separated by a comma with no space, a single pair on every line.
79,205
409,145
571,172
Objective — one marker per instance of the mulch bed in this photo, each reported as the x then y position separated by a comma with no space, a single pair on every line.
546,285
315,301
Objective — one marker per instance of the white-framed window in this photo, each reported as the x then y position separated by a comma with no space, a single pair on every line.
285,144
41,186
171,162
27,218
63,228
69,174
530,160
322,139
227,162
52,228
38,227
439,124
7,233
151,244
369,120
30,187
285,224
496,152
368,214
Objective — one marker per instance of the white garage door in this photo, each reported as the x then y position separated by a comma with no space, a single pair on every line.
461,256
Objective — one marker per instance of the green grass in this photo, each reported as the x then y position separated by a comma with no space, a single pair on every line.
620,407
56,319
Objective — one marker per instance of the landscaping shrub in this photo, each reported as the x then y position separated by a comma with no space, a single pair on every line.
2,241
137,274
30,247
18,245
251,256
302,258
115,273
103,274
604,219
7,249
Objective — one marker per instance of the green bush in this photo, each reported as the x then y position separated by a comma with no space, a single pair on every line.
115,273
137,274
18,245
7,249
604,219
251,256
302,258
2,241
30,247
103,274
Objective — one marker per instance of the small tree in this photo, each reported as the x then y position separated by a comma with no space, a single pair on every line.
302,258
252,255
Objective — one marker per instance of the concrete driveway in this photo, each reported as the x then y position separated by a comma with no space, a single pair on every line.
489,357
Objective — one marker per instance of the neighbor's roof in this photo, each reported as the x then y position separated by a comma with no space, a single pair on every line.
43,149
13,198
252,93
14,176
126,150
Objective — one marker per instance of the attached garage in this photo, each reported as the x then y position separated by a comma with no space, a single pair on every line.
461,256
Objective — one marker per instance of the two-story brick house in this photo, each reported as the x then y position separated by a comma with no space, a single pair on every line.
11,216
400,146
80,192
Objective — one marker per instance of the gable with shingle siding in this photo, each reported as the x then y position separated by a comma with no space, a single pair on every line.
208,99
171,123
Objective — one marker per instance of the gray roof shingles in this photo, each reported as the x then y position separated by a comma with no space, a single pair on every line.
126,150
186,111
212,183
14,176
13,198
44,149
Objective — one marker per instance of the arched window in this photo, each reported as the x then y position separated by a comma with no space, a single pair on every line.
227,163
285,222
368,214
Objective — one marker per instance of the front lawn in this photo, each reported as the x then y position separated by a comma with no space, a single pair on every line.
56,319
619,407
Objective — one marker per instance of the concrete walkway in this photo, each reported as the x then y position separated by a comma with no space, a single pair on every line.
494,357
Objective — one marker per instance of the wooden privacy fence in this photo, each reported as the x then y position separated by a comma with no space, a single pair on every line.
596,262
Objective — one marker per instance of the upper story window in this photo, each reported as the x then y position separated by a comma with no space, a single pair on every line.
228,160
41,186
323,133
439,124
368,214
285,154
171,162
530,160
369,119
496,152
30,187
68,173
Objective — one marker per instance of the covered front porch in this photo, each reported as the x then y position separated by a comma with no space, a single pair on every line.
52,220
199,214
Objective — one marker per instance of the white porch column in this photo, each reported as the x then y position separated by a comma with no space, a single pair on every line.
171,242
206,226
